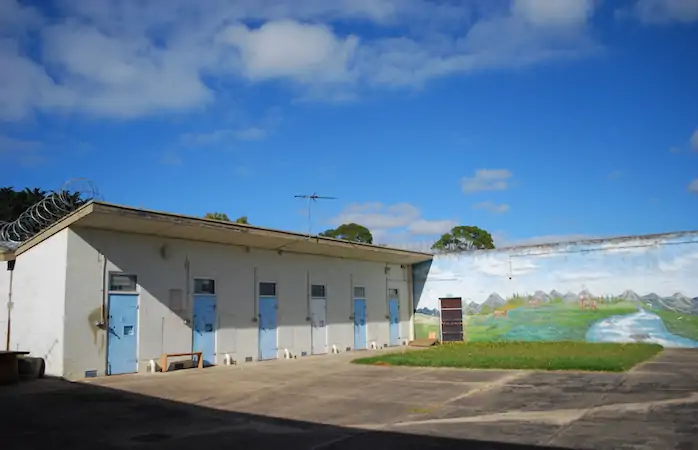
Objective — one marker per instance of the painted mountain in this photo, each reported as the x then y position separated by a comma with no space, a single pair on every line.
676,302
494,301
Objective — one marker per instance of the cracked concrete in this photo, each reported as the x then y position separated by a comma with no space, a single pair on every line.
325,402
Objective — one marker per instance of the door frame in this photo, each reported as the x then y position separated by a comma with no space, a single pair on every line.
353,306
259,321
399,322
312,332
215,323
107,304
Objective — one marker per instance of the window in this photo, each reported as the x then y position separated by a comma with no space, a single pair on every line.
122,282
204,286
392,293
267,289
359,292
318,291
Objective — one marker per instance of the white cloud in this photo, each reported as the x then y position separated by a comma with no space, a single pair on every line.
487,180
397,224
135,58
492,207
223,136
288,49
250,134
694,141
693,186
500,265
575,277
679,263
431,227
558,12
664,11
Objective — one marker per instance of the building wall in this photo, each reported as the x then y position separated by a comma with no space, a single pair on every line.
38,297
640,289
4,299
162,265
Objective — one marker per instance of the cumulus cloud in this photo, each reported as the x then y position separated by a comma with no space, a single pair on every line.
135,58
558,12
665,11
492,207
694,141
487,180
398,223
693,186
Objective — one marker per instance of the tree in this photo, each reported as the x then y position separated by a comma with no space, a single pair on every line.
217,216
242,219
14,203
463,239
350,232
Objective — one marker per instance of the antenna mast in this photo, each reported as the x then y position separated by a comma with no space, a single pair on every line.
313,198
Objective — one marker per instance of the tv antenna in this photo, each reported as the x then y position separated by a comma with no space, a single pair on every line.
313,198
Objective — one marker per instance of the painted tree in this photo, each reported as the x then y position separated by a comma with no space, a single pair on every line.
350,232
464,238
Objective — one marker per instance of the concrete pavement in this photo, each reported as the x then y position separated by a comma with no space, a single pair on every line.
325,402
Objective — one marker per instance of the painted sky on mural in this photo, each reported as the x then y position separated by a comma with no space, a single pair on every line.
604,270
518,116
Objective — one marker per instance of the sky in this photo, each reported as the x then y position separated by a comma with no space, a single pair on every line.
536,120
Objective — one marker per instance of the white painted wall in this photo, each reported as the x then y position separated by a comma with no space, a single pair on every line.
163,330
4,299
38,296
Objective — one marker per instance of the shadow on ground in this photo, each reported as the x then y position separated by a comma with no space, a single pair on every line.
47,413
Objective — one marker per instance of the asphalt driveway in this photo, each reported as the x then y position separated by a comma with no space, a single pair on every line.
325,402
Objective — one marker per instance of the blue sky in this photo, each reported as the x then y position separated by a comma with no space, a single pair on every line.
532,119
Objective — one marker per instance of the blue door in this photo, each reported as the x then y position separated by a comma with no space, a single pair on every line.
394,314
359,324
122,340
267,328
204,340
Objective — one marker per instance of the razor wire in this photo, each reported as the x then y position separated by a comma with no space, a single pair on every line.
49,210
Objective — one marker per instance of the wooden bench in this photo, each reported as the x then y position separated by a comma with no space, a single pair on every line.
9,366
163,359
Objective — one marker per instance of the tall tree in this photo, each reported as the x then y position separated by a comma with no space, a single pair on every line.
13,203
242,219
350,232
463,239
217,216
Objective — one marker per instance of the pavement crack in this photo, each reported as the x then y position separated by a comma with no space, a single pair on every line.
558,417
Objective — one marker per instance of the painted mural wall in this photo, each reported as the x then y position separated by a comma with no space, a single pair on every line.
642,289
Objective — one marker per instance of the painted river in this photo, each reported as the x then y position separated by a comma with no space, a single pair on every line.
642,326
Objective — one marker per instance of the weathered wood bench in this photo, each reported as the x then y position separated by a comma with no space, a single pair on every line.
9,366
163,359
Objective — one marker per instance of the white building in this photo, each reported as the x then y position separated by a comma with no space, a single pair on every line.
108,289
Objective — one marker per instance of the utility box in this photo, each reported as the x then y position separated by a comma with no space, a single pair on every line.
451,316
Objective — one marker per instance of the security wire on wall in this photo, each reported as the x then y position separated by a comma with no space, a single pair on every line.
49,210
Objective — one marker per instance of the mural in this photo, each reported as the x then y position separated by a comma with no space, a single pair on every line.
643,289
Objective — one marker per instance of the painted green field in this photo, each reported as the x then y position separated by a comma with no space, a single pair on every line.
554,322
523,355
557,322
424,324
681,324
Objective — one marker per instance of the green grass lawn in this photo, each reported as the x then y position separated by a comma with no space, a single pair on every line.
523,355
680,324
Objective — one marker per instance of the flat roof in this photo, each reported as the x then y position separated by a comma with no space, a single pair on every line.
119,218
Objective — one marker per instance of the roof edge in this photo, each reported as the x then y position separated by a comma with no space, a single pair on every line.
109,207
